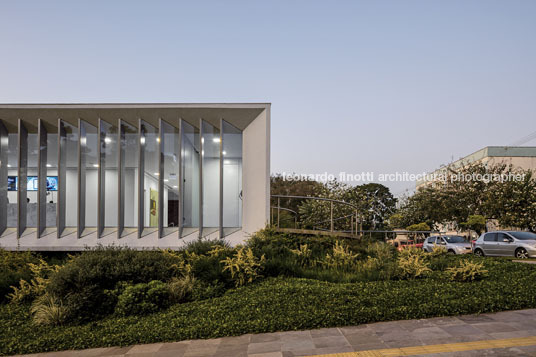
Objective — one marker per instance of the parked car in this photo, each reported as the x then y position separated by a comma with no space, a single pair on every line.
506,243
453,244
409,244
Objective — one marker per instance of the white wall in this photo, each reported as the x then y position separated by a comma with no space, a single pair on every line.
256,173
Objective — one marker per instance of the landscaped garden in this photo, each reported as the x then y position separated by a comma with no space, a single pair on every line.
109,297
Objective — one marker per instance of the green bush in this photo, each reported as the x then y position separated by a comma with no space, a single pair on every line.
412,267
143,298
84,283
467,271
341,257
14,268
29,290
244,266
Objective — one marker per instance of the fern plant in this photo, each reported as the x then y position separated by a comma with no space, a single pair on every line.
244,266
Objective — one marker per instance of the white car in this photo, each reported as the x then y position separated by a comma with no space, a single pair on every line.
452,244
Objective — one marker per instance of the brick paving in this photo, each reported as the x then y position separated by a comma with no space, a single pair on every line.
376,336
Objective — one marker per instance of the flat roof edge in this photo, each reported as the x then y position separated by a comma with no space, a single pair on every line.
130,105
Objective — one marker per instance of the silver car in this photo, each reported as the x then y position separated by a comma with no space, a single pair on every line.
453,244
506,243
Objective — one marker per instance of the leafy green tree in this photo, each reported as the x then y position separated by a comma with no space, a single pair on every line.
476,223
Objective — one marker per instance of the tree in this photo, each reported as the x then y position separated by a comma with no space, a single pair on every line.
476,223
373,202
491,191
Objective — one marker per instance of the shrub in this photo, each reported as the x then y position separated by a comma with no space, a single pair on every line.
180,289
438,251
341,257
412,267
84,283
204,246
143,298
48,310
14,268
304,255
244,266
27,291
384,252
467,271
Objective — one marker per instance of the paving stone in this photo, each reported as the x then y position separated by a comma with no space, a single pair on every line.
174,346
326,332
145,348
330,341
491,327
427,332
362,338
264,347
116,351
265,337
475,319
461,330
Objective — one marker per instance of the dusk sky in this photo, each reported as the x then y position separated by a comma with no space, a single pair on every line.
380,86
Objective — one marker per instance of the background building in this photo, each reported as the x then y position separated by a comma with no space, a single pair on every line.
140,175
523,157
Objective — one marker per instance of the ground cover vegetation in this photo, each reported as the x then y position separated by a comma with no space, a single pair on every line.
117,296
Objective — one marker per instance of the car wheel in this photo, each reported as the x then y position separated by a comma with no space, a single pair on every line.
479,253
521,253
451,252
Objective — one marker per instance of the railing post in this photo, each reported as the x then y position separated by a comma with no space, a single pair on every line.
331,214
278,210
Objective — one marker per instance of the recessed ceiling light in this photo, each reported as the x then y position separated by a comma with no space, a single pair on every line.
224,153
166,180
48,165
8,165
107,140
175,186
95,165
216,140
156,174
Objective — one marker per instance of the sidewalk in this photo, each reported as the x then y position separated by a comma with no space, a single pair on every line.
511,333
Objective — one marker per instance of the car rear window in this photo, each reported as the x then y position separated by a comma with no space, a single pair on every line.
455,239
524,235
490,237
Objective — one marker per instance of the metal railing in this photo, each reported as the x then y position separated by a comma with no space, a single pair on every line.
355,228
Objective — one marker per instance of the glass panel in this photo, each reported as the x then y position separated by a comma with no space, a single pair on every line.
70,153
150,143
170,163
89,176
32,182
52,180
12,182
190,178
210,154
109,179
232,178
129,167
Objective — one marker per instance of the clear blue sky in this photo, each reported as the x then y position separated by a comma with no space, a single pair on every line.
379,86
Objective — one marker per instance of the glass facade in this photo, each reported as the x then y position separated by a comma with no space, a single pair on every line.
231,178
113,178
190,179
210,169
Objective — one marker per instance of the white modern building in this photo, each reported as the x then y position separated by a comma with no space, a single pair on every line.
140,175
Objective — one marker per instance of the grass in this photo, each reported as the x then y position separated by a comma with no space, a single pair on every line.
282,303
